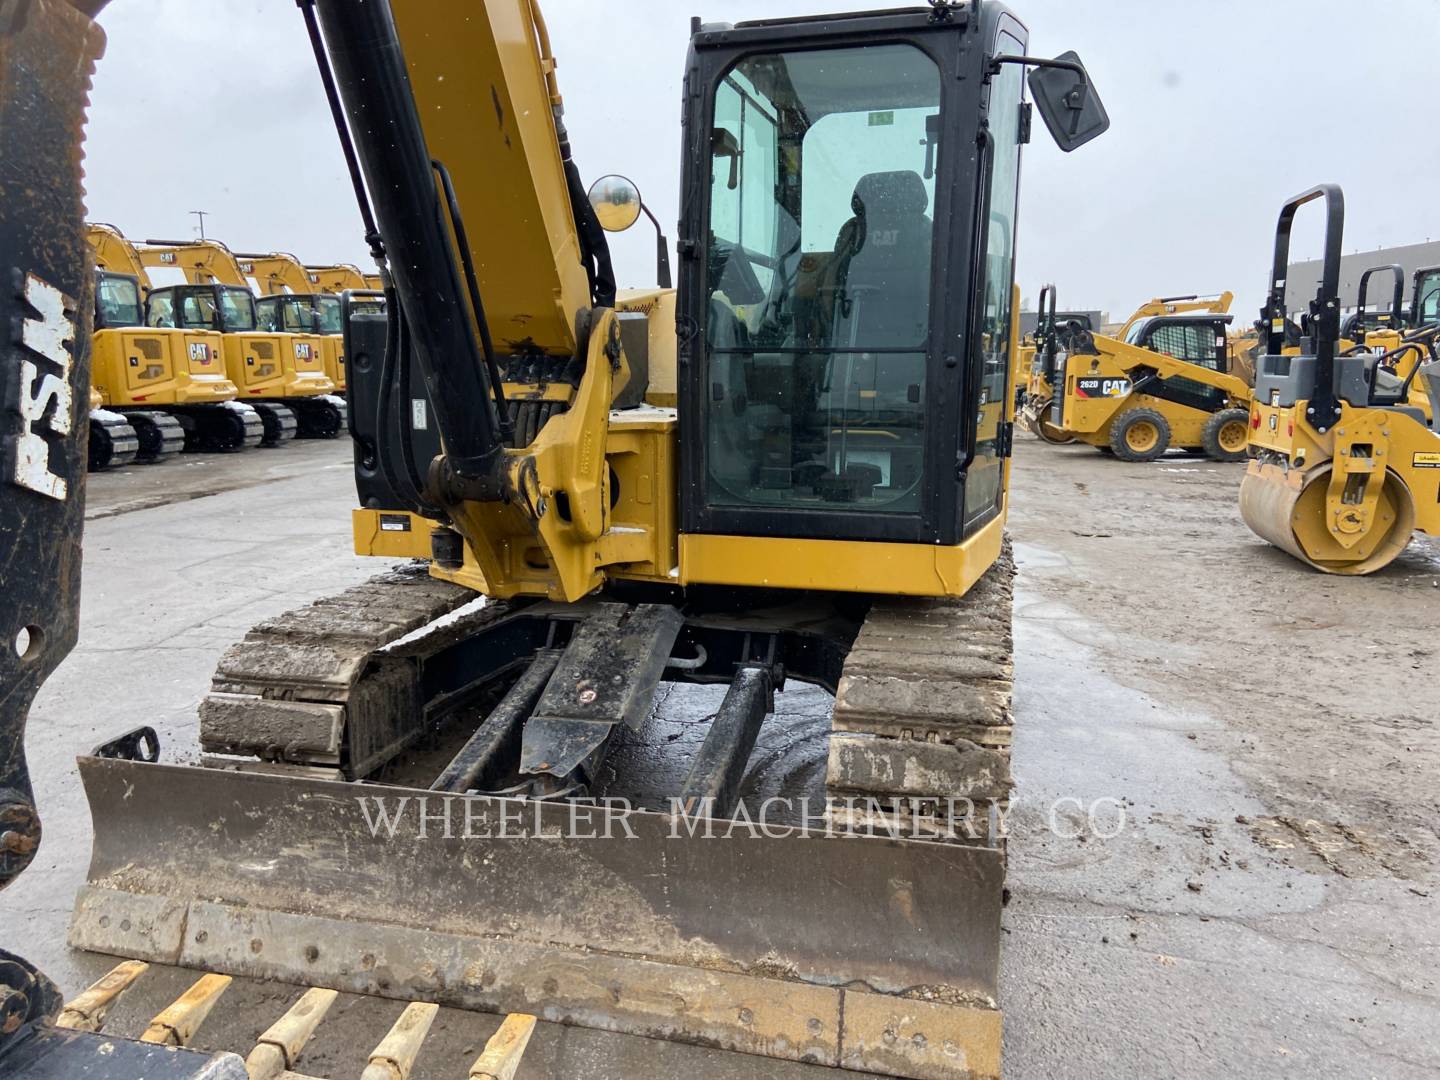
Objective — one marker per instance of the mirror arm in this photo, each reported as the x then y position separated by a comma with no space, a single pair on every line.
662,250
1075,99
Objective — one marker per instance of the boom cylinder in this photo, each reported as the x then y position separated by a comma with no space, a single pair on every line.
364,50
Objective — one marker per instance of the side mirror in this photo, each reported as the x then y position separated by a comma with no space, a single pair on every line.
1067,101
617,203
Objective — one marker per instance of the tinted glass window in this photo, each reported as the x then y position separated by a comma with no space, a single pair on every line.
819,278
982,483
328,311
237,309
160,310
1429,297
117,300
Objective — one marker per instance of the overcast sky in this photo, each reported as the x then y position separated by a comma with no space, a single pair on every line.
1219,111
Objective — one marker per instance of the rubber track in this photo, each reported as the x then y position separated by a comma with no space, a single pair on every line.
114,444
922,715
281,690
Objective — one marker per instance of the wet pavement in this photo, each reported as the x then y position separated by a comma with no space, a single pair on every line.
1205,880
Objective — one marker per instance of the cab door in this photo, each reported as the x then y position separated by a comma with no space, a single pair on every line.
990,345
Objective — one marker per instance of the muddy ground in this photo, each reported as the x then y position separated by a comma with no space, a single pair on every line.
1260,740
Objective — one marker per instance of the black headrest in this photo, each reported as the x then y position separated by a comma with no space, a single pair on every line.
900,192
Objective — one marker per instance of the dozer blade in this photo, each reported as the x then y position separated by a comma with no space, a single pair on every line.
630,921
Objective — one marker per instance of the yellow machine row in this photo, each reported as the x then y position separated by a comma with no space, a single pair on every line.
170,383
282,374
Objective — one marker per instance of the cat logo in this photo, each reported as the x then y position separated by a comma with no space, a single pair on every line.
247,268
200,351
167,257
885,237
302,350
1102,388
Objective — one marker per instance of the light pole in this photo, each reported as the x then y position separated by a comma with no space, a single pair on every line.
201,215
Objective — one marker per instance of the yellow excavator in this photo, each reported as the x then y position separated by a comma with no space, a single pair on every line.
825,502
338,277
292,301
281,374
1344,467
170,383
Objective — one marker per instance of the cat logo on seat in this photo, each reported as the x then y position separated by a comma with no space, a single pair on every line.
1102,388
302,350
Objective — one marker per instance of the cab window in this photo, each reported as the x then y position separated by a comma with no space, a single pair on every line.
818,281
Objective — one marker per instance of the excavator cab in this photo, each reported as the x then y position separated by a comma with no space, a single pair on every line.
827,388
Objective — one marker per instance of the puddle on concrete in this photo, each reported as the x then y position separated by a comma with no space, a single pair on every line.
1095,756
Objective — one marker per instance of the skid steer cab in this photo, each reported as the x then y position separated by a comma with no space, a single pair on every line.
1345,466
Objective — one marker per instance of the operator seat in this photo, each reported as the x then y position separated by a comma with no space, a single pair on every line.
881,296
882,263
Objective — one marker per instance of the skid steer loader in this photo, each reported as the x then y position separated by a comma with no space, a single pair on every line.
1344,468
1165,386
825,502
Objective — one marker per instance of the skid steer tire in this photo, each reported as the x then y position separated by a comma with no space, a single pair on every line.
1227,435
1139,435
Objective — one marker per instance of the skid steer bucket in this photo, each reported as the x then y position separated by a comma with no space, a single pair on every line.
866,952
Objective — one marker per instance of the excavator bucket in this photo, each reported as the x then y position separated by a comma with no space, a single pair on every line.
868,952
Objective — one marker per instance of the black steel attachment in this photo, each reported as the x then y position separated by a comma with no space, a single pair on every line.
142,744
607,676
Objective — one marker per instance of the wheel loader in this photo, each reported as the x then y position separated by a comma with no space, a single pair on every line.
282,374
1344,468
169,383
436,786
292,301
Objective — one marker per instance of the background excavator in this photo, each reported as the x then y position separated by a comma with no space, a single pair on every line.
1344,467
825,501
291,300
170,383
281,373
